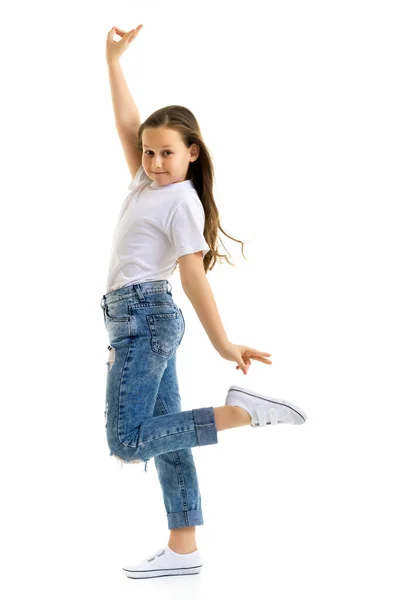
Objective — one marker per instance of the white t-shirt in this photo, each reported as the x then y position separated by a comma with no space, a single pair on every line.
156,225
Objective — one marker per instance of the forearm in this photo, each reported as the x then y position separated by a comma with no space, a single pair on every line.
199,292
125,110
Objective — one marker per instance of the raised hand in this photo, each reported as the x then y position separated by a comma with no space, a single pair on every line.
114,50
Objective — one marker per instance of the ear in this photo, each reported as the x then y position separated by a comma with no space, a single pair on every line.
194,151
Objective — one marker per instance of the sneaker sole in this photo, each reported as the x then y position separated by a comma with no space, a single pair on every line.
162,572
293,407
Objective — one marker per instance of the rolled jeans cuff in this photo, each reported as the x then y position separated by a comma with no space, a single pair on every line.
206,428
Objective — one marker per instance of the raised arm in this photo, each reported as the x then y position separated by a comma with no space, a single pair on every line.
125,110
126,113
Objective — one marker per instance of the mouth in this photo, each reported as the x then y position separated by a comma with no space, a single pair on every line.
155,173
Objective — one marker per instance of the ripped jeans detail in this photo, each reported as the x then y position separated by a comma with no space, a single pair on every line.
111,358
109,364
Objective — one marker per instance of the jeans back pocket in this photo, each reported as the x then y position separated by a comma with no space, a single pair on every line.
166,332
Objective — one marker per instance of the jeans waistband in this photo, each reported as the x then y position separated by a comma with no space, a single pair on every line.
136,290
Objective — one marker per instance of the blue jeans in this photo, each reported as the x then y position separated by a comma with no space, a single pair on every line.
143,406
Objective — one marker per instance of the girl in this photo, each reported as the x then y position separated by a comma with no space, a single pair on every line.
168,219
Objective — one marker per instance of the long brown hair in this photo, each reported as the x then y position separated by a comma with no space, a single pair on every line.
201,172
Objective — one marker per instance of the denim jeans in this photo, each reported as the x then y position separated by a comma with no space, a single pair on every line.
143,416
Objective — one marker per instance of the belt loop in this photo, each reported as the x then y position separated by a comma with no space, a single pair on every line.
169,291
139,292
101,303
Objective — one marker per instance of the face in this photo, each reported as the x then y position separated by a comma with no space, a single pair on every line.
165,157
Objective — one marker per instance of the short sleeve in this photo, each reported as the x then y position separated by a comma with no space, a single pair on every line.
186,228
138,179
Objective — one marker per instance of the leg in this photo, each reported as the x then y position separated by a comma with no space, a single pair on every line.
144,417
226,418
183,540
176,469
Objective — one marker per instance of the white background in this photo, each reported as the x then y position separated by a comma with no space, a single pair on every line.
298,103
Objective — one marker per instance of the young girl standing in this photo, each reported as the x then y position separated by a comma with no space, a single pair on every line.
168,218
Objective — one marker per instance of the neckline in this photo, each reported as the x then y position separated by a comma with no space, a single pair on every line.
184,183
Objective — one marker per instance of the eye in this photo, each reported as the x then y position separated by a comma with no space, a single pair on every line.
152,151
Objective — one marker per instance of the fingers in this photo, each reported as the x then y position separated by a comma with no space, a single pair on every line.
122,32
265,361
135,32
260,356
245,365
257,352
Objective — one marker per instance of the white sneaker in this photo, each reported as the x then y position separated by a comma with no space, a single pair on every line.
265,410
164,563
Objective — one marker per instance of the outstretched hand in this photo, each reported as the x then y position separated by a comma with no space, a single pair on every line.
114,50
242,355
